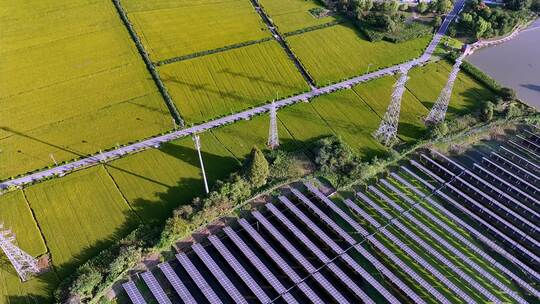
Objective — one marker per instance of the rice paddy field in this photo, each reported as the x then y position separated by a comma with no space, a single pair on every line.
156,181
377,93
223,83
339,52
427,82
79,215
71,83
193,26
292,15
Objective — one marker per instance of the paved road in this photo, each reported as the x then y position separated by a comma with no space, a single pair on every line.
156,141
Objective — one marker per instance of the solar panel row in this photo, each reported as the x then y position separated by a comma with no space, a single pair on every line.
176,283
329,288
532,215
470,230
155,288
133,293
414,296
425,245
469,213
442,241
521,227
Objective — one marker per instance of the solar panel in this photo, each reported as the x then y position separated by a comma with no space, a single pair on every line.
450,247
524,195
280,262
259,265
199,280
520,158
365,253
493,188
216,271
515,177
520,147
519,168
239,269
415,256
335,247
425,245
478,235
494,202
473,215
176,283
528,142
322,256
133,293
329,288
155,288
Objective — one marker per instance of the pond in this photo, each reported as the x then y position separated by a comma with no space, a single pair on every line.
515,64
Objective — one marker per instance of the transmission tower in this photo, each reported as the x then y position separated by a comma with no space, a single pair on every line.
24,264
273,139
438,111
197,141
387,132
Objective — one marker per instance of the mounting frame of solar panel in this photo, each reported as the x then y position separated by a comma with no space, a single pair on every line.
199,280
133,293
176,283
155,288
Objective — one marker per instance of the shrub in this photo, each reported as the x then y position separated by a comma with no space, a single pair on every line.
513,110
257,170
487,112
422,7
507,94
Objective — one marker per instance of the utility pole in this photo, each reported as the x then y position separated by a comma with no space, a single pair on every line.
24,264
273,139
387,132
438,111
197,141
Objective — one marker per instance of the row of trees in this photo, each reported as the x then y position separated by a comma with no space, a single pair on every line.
481,21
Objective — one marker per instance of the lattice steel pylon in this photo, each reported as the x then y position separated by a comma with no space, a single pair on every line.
387,131
438,112
24,264
273,138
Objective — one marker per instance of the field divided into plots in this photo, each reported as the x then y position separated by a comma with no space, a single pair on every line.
293,15
171,29
220,84
71,83
339,52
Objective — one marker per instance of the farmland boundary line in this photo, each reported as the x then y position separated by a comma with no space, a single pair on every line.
367,104
226,148
212,51
40,232
156,141
122,194
149,65
279,38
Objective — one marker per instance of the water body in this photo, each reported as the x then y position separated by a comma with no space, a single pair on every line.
515,64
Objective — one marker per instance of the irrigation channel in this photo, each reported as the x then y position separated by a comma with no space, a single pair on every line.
154,142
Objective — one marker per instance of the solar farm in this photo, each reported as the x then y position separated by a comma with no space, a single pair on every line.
437,229
100,100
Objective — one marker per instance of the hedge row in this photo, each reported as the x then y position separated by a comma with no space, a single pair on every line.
478,74
312,28
149,64
213,51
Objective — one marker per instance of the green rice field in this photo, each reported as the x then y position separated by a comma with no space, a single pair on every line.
193,26
72,83
338,52
156,181
292,15
220,84
377,93
79,215
427,82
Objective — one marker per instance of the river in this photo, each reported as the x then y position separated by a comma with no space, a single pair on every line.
515,64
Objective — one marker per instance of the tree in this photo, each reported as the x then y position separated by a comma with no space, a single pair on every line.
535,5
518,5
444,6
508,94
482,26
422,7
437,21
487,112
257,169
513,111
